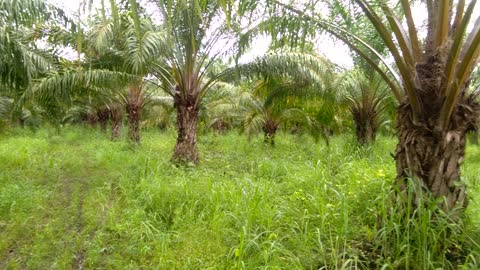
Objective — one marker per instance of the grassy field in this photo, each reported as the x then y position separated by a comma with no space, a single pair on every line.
79,201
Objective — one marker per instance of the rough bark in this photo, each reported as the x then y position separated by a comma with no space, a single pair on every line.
116,117
133,109
432,157
133,119
187,117
270,129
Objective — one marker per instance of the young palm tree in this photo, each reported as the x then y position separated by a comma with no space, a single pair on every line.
122,51
130,44
366,98
259,114
97,107
219,110
281,80
193,28
159,112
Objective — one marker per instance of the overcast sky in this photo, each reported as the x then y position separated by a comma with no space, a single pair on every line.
337,52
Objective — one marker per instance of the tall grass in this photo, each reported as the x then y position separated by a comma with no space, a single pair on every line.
75,199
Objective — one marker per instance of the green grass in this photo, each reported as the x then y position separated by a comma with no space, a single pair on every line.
77,200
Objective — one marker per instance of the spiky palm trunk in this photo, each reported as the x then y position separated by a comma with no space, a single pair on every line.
116,116
270,129
187,117
429,154
134,108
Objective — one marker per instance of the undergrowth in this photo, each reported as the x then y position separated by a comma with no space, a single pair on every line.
76,200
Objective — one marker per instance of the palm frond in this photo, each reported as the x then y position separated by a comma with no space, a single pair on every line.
62,85
6,105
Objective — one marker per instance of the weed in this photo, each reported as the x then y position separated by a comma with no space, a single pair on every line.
75,199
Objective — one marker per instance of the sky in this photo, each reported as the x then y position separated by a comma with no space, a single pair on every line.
336,51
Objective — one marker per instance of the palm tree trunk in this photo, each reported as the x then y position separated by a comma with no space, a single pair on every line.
134,109
365,132
102,115
270,129
432,158
133,119
187,117
430,152
116,116
365,125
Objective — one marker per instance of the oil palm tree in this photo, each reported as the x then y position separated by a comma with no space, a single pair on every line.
280,81
430,81
97,107
221,107
366,96
260,115
436,109
159,112
131,44
22,23
192,30
122,51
